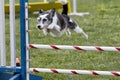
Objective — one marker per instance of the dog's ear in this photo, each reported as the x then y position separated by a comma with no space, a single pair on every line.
41,11
52,12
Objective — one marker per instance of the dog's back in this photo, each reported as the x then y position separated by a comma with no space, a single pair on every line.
62,21
70,23
65,21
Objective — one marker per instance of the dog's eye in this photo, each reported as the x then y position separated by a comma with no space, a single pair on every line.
44,20
39,19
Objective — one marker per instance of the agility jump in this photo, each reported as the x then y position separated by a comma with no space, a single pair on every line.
23,72
12,71
68,47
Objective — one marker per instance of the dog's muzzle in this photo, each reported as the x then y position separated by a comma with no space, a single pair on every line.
39,27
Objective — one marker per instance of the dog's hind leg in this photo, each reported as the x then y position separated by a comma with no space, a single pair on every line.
74,26
79,30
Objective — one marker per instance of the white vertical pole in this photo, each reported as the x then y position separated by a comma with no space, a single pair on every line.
75,10
2,35
74,6
45,0
12,33
27,39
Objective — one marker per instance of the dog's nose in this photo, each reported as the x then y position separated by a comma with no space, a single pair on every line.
39,26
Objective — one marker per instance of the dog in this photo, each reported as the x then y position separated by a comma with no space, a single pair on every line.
57,24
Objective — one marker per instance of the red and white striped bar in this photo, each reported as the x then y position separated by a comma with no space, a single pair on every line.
66,71
67,47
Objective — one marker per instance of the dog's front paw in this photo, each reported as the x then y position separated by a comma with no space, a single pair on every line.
68,33
45,31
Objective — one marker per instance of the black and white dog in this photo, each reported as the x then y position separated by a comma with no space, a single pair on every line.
57,24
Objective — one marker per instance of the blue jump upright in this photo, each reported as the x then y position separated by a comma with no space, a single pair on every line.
7,76
15,72
23,44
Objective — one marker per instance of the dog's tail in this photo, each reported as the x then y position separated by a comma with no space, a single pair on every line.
65,6
63,2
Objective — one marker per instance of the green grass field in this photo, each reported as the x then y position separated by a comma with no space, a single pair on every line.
103,28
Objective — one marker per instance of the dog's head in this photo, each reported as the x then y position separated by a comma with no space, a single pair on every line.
45,18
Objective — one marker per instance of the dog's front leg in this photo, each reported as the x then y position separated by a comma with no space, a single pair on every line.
68,33
45,31
51,26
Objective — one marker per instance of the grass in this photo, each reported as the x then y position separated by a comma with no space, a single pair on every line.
102,26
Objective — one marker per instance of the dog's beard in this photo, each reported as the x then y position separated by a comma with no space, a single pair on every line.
42,28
